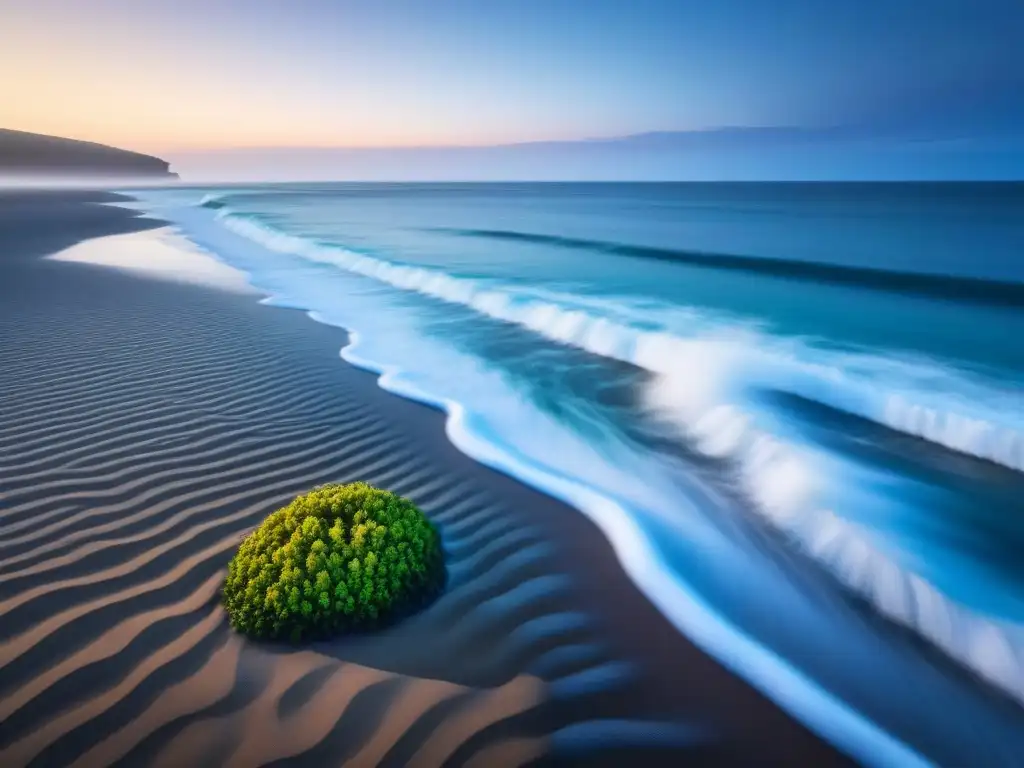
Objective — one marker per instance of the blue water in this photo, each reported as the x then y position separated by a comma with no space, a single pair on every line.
796,410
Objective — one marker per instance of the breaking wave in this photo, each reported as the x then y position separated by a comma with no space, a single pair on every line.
708,366
703,383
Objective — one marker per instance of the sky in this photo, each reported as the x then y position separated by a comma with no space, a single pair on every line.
191,78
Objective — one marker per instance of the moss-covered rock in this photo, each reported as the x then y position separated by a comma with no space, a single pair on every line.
338,558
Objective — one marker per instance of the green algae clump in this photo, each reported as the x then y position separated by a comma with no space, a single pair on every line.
337,559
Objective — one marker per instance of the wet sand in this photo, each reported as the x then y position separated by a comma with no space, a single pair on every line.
146,427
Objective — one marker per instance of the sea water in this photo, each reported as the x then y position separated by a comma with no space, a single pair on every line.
796,410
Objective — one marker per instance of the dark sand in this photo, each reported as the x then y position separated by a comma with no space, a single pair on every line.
145,427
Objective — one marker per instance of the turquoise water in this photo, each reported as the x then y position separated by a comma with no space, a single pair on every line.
796,410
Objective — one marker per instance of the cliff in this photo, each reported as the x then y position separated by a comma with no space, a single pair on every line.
31,154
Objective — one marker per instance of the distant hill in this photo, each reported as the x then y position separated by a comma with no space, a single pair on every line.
32,154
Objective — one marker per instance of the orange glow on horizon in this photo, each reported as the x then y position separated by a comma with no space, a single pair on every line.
170,108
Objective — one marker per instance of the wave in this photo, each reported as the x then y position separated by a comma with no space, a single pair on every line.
619,514
952,419
972,289
214,201
699,385
781,481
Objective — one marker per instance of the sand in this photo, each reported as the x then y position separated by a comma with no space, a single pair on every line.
146,426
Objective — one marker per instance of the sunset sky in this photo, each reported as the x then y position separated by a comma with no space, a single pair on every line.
186,75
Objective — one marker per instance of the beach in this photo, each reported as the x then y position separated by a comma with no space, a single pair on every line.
147,425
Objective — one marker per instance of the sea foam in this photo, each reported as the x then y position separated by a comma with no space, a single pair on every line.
965,417
699,385
706,407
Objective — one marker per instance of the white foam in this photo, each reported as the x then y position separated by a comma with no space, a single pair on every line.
963,416
780,480
698,378
643,562
698,386
158,253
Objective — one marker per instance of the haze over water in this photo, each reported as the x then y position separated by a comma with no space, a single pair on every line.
794,409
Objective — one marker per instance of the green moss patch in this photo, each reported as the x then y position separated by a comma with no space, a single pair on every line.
339,558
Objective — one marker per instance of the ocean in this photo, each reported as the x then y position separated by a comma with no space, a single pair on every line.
796,410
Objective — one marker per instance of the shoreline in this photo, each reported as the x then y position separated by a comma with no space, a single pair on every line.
242,387
849,704
787,686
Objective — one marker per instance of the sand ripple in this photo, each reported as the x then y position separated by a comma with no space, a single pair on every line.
136,450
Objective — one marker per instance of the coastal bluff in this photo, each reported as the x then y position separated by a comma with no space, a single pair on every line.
32,155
